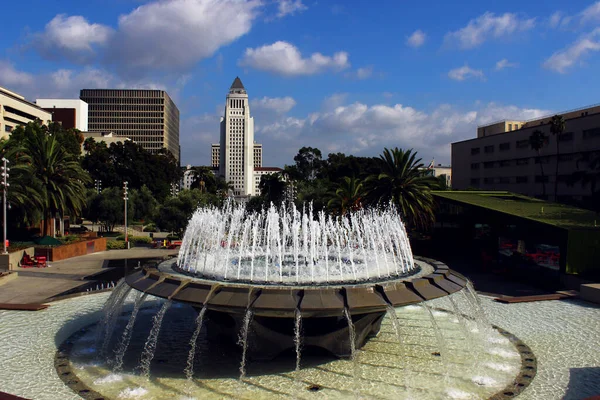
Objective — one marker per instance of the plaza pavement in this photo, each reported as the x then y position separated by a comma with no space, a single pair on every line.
37,285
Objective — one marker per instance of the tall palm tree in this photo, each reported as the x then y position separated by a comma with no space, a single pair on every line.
402,183
57,175
588,175
349,196
537,141
557,127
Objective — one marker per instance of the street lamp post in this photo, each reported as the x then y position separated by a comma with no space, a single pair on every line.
98,185
5,185
125,198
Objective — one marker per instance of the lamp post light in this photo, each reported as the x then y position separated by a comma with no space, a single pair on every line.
5,185
125,198
98,185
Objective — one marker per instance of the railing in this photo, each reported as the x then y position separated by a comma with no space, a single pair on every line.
539,118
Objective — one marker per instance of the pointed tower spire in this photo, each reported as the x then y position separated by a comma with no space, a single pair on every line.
237,83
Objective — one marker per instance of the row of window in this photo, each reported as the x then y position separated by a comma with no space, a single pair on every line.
519,179
93,102
126,121
124,128
522,161
522,144
141,108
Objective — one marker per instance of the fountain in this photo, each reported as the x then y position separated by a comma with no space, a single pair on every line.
284,281
337,274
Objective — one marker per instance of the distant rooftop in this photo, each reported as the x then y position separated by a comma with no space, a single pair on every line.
541,118
559,215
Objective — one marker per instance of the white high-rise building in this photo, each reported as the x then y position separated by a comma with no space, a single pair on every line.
236,158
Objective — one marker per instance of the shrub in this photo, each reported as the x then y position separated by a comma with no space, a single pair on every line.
115,245
151,227
140,239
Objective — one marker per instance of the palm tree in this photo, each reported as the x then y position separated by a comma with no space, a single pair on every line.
349,196
537,141
589,175
22,195
557,127
402,183
57,175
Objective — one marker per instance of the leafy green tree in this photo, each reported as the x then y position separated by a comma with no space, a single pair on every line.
56,174
537,141
144,204
349,196
308,164
272,188
557,127
174,214
70,139
108,209
401,182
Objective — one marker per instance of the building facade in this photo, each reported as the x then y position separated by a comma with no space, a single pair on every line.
15,111
440,170
107,137
148,117
501,157
71,113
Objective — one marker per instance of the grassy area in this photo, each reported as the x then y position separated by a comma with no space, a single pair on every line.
559,215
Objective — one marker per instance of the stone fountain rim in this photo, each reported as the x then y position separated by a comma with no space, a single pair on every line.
311,301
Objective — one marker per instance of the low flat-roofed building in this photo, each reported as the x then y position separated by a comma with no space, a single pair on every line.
543,242
106,137
15,111
71,113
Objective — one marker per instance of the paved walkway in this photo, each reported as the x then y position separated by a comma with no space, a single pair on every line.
36,285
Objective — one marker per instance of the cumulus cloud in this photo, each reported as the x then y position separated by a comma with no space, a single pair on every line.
12,78
360,73
276,104
565,59
159,35
72,37
365,129
488,26
289,7
417,39
66,83
504,63
284,58
464,72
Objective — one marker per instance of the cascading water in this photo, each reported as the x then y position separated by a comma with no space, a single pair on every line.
288,246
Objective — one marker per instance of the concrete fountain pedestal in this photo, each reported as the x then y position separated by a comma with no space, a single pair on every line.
274,308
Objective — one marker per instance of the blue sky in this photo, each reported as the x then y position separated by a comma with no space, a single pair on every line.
350,76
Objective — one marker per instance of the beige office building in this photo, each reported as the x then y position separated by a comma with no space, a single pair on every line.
148,117
501,158
15,111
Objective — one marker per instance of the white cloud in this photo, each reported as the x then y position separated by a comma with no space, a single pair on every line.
488,26
278,105
564,59
66,83
464,72
11,78
72,37
417,39
362,129
177,33
504,63
360,73
290,7
591,13
284,58
158,35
